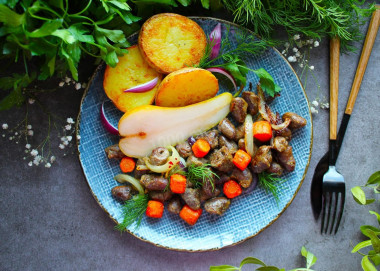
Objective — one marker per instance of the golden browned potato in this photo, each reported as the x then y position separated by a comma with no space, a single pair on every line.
132,70
169,42
186,86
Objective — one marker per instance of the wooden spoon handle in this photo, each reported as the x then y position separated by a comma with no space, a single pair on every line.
366,52
334,85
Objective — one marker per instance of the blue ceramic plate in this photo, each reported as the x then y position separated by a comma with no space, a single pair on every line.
248,215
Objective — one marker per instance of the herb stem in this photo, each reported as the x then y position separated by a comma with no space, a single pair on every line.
83,10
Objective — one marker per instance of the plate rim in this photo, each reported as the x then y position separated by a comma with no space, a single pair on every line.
215,248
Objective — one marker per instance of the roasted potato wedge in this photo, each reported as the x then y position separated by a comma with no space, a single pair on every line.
169,42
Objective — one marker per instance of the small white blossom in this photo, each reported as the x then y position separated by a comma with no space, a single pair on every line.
61,146
30,133
296,37
325,105
31,101
16,133
48,165
28,146
283,52
34,152
67,79
78,86
292,59
61,84
316,43
298,54
301,65
4,126
313,110
312,68
310,41
30,164
65,143
52,159
63,139
69,138
29,127
78,137
10,138
287,44
70,120
315,103
295,49
68,127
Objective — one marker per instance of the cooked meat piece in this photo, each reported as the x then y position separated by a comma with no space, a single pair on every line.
286,159
122,192
205,197
196,161
243,177
241,144
154,182
192,197
255,180
238,108
286,132
227,128
296,120
252,100
275,168
262,159
139,172
239,133
231,145
114,152
174,205
223,177
184,149
222,160
211,137
161,196
280,143
209,187
159,156
217,206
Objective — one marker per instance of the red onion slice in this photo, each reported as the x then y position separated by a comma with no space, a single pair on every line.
225,73
106,123
215,38
143,87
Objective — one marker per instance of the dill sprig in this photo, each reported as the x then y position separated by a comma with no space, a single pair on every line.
270,183
200,175
133,211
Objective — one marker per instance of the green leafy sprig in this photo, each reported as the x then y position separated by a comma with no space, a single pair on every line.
133,211
270,183
201,175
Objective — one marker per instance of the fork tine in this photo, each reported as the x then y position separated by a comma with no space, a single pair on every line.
329,212
323,210
342,199
336,196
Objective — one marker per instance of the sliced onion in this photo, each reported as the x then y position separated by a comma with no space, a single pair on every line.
281,126
106,123
173,160
248,136
143,87
142,167
215,38
225,73
124,178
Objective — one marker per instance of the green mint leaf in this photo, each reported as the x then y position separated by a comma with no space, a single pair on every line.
374,178
374,240
364,229
267,82
376,214
361,245
46,29
223,268
268,268
9,17
310,258
205,3
251,260
359,195
367,265
375,257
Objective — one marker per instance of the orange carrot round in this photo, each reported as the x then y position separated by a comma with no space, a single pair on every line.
155,209
241,159
231,189
189,215
127,164
262,130
178,183
201,148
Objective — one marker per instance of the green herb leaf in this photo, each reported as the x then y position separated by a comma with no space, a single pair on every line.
268,268
374,178
223,268
267,82
367,265
46,29
65,35
9,17
364,229
251,260
15,98
374,240
375,257
361,245
270,183
359,195
310,258
205,3
133,211
201,175
376,214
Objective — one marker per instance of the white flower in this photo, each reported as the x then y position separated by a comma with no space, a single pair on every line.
16,133
295,49
287,44
30,164
70,120
29,127
5,126
30,133
65,143
69,138
10,138
67,79
78,86
68,127
301,65
325,105
78,137
310,41
298,54
296,37
316,43
3,135
52,159
61,146
34,152
292,59
283,52
311,68
313,110
61,84
48,165
31,101
315,103
28,146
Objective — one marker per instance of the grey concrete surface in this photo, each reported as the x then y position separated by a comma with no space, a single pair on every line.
50,221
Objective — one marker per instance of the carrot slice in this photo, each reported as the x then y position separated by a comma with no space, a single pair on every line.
231,189
241,159
154,209
127,164
178,183
262,130
189,215
201,148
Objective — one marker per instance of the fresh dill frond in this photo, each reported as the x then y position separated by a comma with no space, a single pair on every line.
200,175
133,211
270,183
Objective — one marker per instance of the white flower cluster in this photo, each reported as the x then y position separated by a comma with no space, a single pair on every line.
316,104
68,81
